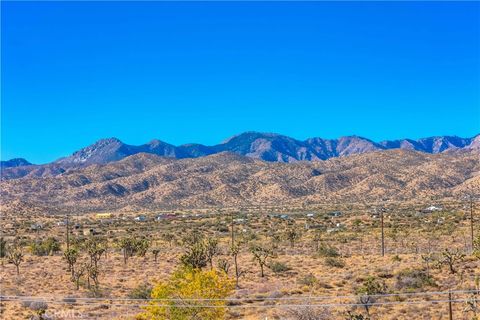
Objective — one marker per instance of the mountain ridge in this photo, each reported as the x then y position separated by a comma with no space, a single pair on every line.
271,147
15,162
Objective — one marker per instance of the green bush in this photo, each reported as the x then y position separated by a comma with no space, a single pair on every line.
334,262
308,280
38,249
46,247
142,291
279,267
396,258
412,279
327,251
3,248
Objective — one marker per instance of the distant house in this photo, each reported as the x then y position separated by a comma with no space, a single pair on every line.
140,218
431,209
335,214
279,216
310,215
164,216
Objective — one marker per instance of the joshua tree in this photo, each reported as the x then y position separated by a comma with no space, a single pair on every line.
195,256
128,247
223,265
192,238
78,273
168,237
71,256
370,287
235,251
292,235
95,248
211,250
52,245
141,246
427,258
451,257
15,257
275,238
261,255
155,253
93,272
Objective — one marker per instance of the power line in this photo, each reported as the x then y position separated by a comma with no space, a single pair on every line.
305,305
425,293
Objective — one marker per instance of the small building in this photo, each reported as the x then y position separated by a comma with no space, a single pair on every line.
140,218
335,214
164,217
431,209
310,215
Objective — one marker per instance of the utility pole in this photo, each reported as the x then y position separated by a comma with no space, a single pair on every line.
233,229
383,232
68,234
450,310
471,222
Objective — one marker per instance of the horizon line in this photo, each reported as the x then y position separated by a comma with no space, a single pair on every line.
224,141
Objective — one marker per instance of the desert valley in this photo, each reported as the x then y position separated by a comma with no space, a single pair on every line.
368,233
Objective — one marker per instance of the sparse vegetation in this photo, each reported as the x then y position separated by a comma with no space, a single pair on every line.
334,262
413,280
323,260
279,267
142,291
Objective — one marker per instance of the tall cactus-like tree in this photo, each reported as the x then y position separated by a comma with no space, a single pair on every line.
261,254
71,256
292,235
211,250
15,257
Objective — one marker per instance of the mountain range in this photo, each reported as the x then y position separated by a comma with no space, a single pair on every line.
264,146
145,181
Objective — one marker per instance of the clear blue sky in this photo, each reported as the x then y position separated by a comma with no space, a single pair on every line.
73,73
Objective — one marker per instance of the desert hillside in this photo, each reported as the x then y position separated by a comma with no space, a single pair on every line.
147,181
